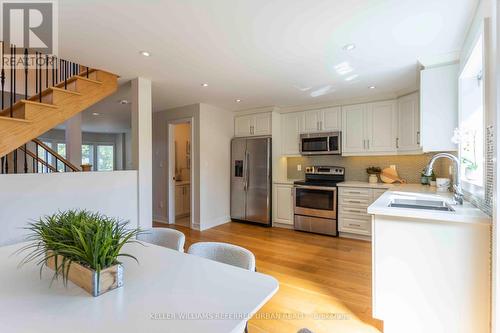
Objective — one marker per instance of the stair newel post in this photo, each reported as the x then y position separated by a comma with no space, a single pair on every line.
25,73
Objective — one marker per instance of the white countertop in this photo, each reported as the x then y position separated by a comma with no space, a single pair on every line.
165,283
466,213
285,181
354,183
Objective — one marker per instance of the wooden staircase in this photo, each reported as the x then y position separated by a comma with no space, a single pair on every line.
29,118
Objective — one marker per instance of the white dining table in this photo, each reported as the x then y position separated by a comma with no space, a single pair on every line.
167,291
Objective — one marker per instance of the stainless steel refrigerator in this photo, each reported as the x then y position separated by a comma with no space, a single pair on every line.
251,180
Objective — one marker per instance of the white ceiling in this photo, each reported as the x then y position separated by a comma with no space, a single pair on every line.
265,52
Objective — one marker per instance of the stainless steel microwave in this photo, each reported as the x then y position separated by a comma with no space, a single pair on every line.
327,143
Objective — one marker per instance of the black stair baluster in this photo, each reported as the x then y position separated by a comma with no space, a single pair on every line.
65,75
2,76
46,71
11,81
25,73
7,164
25,159
87,72
36,73
34,163
36,154
40,75
46,161
15,161
2,161
53,71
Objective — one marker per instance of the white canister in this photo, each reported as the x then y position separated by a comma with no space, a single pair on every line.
372,179
443,184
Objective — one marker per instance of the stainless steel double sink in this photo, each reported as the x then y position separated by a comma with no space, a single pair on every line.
438,205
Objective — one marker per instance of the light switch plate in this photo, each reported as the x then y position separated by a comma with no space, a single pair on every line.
299,167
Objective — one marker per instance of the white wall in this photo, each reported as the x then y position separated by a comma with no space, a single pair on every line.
216,132
26,197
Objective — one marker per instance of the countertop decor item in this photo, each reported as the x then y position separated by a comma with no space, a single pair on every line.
80,246
390,175
373,173
86,167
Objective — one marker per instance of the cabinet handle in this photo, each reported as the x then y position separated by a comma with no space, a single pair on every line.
354,201
418,137
397,142
353,192
364,144
354,224
354,211
368,143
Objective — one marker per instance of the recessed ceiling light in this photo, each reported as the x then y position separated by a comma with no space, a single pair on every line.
145,53
343,68
123,101
371,87
237,100
351,77
349,47
96,114
204,84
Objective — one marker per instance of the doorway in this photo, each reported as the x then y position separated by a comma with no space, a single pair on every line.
180,166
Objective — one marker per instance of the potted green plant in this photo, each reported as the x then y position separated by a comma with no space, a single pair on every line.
81,246
373,173
471,169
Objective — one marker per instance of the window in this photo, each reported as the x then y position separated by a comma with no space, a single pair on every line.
470,134
105,157
87,154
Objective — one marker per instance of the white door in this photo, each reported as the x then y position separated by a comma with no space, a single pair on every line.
381,126
284,204
408,123
331,119
262,124
353,134
243,125
290,132
312,121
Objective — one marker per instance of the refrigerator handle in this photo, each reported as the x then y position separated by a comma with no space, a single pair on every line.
247,171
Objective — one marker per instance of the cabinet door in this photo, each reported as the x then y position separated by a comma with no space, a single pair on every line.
381,126
353,119
408,123
290,133
284,204
262,124
331,119
187,199
179,200
312,121
243,125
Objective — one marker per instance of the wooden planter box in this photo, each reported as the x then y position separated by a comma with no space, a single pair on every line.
88,279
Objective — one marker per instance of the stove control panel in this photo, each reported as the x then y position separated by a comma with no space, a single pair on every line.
325,170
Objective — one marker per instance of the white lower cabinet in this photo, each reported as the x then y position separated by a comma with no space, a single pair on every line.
283,204
182,200
352,214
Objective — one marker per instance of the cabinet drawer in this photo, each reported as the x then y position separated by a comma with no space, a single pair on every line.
355,192
355,201
356,226
344,209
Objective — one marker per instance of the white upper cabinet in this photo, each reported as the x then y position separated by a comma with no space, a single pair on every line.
408,123
438,107
353,128
253,124
369,129
291,127
381,127
325,120
331,119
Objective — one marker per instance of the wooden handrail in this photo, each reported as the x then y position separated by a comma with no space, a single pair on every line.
56,155
38,159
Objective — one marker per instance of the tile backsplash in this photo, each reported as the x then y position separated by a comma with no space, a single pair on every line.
408,167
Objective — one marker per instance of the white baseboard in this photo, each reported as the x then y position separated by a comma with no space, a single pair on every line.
216,222
282,225
160,219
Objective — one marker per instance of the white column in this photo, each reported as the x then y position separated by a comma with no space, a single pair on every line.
142,153
73,135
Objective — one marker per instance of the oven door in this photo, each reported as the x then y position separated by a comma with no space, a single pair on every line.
315,201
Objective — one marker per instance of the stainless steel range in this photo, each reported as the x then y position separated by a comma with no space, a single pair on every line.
315,200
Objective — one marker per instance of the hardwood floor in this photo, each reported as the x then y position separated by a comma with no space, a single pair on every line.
325,282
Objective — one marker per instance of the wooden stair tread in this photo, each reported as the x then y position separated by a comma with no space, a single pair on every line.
26,101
